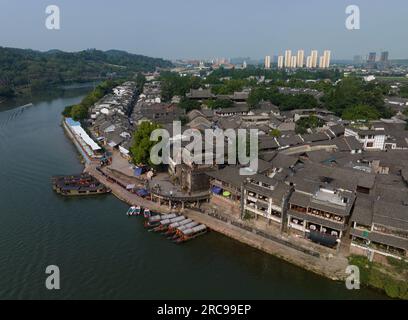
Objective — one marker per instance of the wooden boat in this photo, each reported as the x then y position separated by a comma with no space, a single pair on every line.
191,233
164,223
173,227
154,221
179,230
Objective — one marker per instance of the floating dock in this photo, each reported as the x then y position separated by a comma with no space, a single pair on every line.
78,185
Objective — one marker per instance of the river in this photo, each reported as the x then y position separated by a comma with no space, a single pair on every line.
103,254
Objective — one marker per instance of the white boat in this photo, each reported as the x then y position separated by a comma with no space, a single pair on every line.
146,213
137,211
131,211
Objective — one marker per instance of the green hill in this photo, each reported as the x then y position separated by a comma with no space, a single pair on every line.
23,69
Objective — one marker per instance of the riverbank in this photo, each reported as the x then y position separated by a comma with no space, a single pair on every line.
55,90
333,268
102,253
391,279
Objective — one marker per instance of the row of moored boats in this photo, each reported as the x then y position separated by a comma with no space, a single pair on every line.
177,228
138,211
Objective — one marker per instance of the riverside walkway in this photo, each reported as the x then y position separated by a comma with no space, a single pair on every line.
123,194
333,268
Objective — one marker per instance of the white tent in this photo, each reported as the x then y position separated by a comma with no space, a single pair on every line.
85,137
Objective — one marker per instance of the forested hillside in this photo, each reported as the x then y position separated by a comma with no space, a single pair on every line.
29,69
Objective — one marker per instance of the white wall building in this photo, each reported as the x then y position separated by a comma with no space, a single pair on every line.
371,139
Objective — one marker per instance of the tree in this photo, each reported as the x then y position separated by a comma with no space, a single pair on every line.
140,81
188,104
285,102
305,123
174,85
229,86
351,92
6,91
404,91
275,133
220,104
38,70
79,112
142,144
361,112
67,112
261,93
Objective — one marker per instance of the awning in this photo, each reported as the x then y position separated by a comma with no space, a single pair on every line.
142,192
85,137
71,122
123,150
138,171
216,190
322,238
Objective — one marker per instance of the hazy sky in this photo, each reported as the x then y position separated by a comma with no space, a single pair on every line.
208,28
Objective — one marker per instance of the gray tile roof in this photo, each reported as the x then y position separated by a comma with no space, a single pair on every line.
313,137
293,140
229,174
363,211
391,214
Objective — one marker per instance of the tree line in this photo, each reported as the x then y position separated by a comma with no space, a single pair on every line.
80,111
350,98
22,69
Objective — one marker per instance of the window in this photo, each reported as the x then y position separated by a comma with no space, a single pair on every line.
370,144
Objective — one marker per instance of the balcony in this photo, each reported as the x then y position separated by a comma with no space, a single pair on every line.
317,220
325,215
265,214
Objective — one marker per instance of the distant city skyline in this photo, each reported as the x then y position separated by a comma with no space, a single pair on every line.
178,29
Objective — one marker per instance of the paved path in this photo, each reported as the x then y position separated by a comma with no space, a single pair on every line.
125,195
333,268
